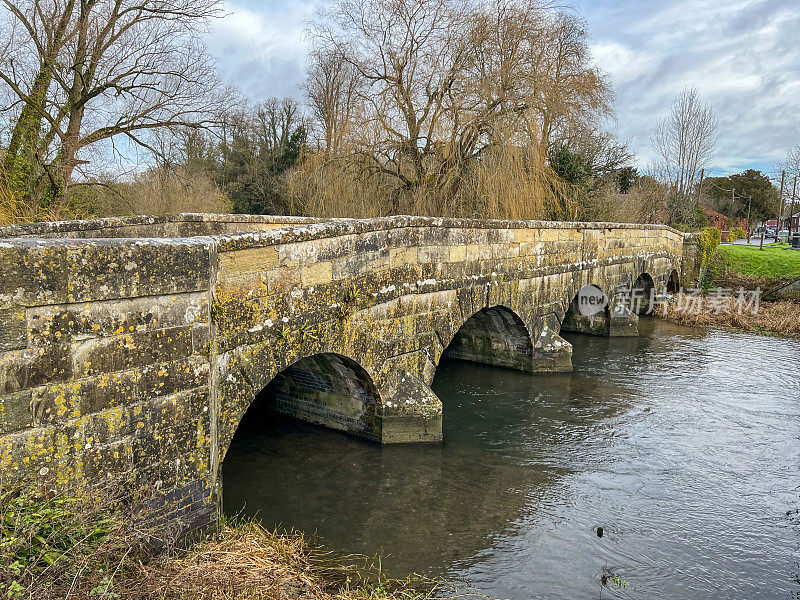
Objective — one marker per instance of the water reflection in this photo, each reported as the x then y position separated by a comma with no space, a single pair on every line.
682,443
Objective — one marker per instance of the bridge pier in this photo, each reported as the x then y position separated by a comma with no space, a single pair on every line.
619,322
552,353
622,322
411,412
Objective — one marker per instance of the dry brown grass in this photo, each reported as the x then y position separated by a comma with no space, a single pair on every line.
77,548
152,193
779,318
248,562
155,192
242,562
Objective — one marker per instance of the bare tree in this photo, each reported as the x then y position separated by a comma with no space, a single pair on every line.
685,141
791,164
87,72
426,90
407,54
332,88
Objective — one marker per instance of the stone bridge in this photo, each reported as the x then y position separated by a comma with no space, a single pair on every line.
130,348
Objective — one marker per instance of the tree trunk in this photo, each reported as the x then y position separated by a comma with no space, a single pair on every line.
18,165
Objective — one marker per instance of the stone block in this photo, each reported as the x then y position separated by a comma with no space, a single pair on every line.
317,274
434,254
399,257
279,281
356,265
252,260
50,324
32,273
476,252
502,251
526,235
22,369
13,329
15,412
64,401
117,353
458,253
108,270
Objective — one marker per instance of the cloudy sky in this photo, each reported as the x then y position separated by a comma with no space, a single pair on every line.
743,56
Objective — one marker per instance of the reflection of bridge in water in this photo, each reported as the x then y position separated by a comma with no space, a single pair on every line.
135,346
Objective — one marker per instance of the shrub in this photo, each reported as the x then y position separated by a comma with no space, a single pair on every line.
707,241
736,233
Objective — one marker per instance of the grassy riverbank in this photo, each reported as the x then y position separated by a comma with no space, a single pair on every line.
734,265
66,548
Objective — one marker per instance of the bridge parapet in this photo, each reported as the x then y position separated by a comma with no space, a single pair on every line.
135,357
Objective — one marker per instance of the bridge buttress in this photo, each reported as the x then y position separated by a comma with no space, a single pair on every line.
617,322
551,353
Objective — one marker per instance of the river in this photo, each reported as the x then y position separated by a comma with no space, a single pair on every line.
682,444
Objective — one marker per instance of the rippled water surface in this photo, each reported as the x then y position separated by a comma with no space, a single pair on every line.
683,444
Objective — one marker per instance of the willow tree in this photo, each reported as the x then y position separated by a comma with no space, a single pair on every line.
451,102
83,78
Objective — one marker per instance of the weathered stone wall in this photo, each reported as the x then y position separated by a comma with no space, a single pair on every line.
105,364
135,359
692,263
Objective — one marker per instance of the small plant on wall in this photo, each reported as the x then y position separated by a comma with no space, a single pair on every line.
307,333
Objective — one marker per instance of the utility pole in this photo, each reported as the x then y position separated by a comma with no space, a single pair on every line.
791,212
749,201
780,210
764,228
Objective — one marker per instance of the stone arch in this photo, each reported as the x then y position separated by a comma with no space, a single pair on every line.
326,389
674,282
641,296
496,336
583,315
245,372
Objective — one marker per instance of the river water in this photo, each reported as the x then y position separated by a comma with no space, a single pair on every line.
682,444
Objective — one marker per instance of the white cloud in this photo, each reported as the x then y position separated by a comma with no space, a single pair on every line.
262,50
741,55
621,62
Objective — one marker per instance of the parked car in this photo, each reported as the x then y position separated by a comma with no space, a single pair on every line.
783,235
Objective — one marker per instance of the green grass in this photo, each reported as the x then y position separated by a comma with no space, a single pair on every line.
772,263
